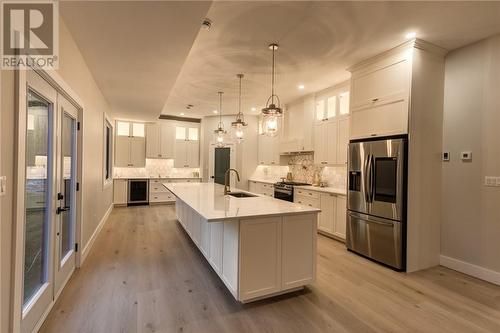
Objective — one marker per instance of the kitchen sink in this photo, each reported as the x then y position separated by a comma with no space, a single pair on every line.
241,195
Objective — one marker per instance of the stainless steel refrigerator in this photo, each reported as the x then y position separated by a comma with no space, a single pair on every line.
376,200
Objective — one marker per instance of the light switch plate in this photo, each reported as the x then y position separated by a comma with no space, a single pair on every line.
466,155
446,156
492,181
3,185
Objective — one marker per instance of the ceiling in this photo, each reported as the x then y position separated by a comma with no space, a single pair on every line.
318,41
134,49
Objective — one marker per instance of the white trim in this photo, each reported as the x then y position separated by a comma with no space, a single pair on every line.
106,183
471,269
92,239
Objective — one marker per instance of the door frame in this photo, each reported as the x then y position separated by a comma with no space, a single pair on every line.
61,87
211,161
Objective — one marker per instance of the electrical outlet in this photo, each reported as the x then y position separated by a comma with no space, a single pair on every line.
446,156
3,185
466,156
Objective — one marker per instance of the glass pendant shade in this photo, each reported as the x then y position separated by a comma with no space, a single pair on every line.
220,132
239,123
271,125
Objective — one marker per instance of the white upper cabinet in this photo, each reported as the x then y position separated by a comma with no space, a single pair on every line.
187,145
268,150
379,96
331,128
298,125
160,140
130,145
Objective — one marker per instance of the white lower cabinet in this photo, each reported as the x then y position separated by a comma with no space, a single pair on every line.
266,189
120,190
332,219
256,257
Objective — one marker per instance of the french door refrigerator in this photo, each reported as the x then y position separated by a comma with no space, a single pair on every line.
376,200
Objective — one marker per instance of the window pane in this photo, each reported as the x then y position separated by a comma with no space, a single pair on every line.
344,103
68,185
193,134
122,128
37,199
331,107
320,110
138,129
180,133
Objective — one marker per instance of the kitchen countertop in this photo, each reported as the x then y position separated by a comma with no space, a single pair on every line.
332,190
266,181
153,177
209,201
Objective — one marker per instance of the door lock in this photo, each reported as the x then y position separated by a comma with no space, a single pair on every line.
60,196
61,209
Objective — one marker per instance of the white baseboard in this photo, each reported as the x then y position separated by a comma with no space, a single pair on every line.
90,243
471,269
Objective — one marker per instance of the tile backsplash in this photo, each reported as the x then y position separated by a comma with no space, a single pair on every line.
303,169
157,168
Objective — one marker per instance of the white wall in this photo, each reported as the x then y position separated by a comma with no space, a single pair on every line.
246,152
97,200
470,230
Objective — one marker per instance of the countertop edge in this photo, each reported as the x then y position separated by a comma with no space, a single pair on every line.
322,189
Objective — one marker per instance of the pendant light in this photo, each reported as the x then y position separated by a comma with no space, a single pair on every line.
240,123
272,112
220,132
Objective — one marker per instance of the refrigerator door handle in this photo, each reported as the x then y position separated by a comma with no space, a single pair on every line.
366,192
372,178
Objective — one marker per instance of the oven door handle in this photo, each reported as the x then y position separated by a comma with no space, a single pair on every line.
282,191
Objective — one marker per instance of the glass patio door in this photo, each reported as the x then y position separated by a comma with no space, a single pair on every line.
37,268
65,213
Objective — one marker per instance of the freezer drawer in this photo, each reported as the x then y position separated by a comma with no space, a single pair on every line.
376,238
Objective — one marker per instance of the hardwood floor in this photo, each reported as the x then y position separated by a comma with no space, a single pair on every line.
145,275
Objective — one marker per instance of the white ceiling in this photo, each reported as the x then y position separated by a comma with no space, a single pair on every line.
318,40
134,49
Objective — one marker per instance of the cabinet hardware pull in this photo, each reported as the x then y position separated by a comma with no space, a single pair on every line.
375,99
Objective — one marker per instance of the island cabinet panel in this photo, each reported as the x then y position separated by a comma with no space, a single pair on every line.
195,226
205,238
298,250
230,256
260,257
216,237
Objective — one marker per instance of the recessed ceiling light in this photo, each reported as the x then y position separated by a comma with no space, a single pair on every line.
215,111
301,87
411,35
181,114
253,109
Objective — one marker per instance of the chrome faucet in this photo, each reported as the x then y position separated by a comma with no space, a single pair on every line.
227,186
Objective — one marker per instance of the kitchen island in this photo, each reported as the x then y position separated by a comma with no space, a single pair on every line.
259,246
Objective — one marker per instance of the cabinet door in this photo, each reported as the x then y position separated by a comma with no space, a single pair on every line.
205,238
152,141
193,154
120,191
167,140
216,239
331,141
327,215
319,143
340,217
274,152
122,151
180,154
137,152
262,150
252,187
343,140
260,257
382,84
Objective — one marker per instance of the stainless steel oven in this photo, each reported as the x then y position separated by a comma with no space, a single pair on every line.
284,190
376,199
138,192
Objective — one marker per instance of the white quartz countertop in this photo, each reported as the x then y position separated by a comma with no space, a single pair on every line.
332,190
209,201
153,177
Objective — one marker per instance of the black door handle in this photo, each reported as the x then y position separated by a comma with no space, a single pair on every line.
60,209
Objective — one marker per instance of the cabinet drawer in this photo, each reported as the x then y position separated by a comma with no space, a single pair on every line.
154,188
307,193
162,197
303,200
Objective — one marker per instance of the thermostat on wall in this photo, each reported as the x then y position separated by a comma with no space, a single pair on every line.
466,156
